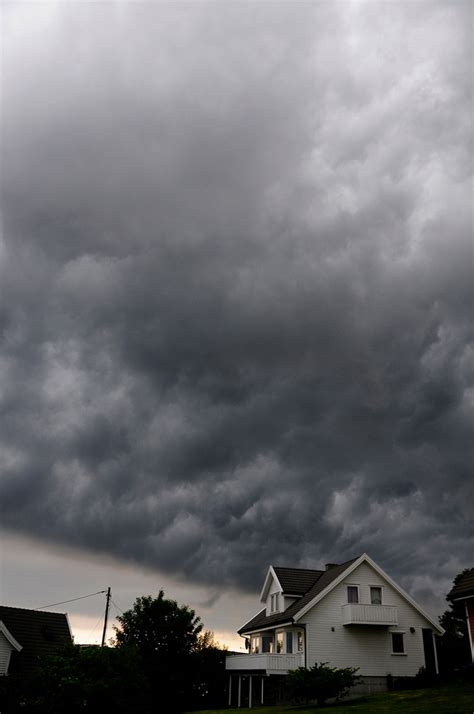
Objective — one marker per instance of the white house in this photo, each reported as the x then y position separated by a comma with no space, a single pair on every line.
352,614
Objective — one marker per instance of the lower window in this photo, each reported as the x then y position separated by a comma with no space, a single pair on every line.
398,643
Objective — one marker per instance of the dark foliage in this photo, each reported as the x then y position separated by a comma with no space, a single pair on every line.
183,666
162,662
453,646
81,679
319,682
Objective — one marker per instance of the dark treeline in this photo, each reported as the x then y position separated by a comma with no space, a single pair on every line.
161,660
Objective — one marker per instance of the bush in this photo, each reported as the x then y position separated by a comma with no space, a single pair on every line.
320,682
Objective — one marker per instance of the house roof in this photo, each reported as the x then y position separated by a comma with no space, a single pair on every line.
296,581
315,584
464,586
38,633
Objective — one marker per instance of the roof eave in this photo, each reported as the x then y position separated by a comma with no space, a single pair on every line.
8,635
253,630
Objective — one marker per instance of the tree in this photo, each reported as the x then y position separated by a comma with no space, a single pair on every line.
157,626
319,682
181,662
454,650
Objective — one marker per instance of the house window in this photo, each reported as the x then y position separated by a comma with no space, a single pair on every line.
255,644
376,596
279,642
398,644
289,642
353,593
299,637
274,602
267,643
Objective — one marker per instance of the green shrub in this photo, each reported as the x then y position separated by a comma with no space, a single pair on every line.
320,682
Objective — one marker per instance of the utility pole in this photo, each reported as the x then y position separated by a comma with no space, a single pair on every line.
107,603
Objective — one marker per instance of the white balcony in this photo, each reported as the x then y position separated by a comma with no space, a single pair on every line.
358,614
270,663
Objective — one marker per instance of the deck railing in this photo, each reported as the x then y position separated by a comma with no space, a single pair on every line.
359,614
270,663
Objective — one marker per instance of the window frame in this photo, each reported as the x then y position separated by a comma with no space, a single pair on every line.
378,587
400,633
285,637
299,641
357,588
275,602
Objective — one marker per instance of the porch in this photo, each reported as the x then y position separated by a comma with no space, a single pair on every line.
267,663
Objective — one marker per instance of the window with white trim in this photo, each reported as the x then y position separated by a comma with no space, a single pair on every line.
267,643
300,640
398,643
375,595
255,644
352,593
289,643
275,602
279,642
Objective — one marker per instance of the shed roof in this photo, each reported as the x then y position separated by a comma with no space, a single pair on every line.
39,634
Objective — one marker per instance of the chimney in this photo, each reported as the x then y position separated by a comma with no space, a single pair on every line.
328,566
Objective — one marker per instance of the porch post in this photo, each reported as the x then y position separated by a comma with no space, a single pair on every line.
230,689
239,690
250,691
261,691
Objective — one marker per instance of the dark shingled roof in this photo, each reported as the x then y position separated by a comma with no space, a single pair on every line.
39,633
325,578
296,581
464,586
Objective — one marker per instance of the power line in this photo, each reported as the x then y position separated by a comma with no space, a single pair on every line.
116,606
99,592
94,628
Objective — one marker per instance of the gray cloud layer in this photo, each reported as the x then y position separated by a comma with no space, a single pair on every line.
236,301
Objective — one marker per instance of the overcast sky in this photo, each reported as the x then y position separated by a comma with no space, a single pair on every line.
236,303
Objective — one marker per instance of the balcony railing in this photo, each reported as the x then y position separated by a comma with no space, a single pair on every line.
271,663
358,614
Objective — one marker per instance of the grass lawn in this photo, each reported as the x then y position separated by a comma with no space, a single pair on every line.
453,699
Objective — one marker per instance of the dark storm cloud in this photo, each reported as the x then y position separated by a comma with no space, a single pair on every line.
236,277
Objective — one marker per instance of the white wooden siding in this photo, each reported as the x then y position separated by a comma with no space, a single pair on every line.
368,647
5,652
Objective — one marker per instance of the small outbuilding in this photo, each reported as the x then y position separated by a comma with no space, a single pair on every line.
28,636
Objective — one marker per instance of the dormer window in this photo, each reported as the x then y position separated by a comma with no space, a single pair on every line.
275,602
